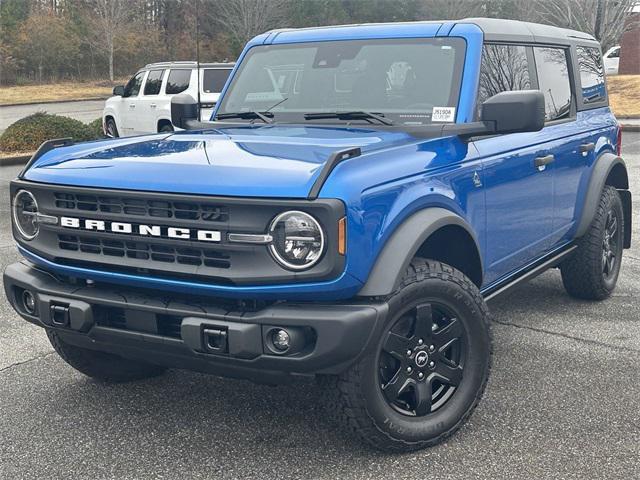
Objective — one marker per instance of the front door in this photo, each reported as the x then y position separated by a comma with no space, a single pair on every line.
518,186
131,109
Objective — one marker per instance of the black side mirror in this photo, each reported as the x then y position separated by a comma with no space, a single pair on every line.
515,111
118,91
184,109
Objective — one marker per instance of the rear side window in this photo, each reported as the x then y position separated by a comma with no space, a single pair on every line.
213,80
178,81
591,75
553,79
504,68
154,82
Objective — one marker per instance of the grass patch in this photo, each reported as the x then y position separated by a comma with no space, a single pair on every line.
29,132
57,92
624,95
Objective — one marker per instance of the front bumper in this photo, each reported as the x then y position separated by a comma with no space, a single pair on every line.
168,330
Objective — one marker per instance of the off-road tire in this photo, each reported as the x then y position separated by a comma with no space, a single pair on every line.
102,366
582,274
359,402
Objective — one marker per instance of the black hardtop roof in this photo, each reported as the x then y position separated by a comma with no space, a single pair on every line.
500,30
495,30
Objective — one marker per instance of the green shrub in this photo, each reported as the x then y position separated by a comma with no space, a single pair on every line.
28,133
95,128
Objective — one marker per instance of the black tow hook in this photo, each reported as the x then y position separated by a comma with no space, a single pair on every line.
215,340
60,315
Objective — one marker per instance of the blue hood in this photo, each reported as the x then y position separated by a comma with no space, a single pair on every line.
248,161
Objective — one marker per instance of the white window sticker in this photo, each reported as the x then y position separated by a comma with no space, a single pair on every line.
443,114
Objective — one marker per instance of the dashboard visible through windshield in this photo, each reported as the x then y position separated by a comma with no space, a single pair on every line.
387,81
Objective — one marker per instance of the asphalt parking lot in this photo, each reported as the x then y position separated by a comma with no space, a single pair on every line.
563,402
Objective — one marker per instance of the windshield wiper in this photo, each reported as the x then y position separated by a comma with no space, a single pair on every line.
361,114
266,117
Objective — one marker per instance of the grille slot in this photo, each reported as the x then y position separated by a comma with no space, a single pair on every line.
140,207
144,251
114,317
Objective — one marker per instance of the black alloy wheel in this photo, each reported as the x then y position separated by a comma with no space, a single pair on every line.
610,245
421,362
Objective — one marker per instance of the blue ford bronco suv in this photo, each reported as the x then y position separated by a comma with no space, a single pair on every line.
359,194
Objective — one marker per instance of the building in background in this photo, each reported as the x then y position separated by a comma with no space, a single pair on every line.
630,47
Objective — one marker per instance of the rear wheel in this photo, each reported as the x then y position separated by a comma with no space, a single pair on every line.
102,366
429,368
592,272
110,128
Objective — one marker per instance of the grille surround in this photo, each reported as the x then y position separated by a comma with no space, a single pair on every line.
224,262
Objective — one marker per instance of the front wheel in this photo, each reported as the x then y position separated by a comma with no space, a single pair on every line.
110,128
430,365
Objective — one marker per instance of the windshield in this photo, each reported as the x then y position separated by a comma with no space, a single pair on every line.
404,80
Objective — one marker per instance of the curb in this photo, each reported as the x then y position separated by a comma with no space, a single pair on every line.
46,102
630,128
17,160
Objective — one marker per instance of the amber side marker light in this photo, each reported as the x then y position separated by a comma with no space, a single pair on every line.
342,235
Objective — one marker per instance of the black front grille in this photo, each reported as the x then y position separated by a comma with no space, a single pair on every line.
154,251
142,207
144,251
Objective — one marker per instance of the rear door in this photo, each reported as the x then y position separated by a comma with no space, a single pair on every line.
563,135
150,101
518,178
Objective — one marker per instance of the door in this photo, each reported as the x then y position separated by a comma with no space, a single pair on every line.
518,172
563,134
130,113
149,104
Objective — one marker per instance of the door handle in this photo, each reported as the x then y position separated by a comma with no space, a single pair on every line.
153,105
587,147
132,105
542,162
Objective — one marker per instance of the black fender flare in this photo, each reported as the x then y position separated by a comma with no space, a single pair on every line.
604,165
402,246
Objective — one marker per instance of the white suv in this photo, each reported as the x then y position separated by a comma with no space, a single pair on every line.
143,105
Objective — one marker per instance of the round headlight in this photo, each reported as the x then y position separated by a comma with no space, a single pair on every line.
298,240
25,210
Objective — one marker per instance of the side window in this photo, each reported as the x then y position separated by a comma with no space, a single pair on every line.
132,88
213,80
504,68
591,75
154,82
615,53
553,78
178,81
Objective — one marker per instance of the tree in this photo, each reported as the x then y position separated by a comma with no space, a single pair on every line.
244,19
604,19
47,44
108,21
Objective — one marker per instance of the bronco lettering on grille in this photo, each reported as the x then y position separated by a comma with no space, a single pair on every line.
140,229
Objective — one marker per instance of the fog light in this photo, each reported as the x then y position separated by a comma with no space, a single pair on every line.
281,340
29,302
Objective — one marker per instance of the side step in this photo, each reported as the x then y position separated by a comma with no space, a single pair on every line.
528,273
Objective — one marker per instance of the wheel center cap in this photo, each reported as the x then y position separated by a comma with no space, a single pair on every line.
422,358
